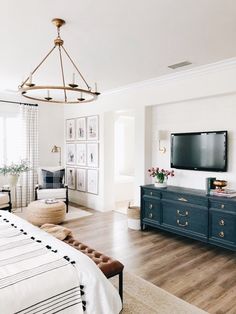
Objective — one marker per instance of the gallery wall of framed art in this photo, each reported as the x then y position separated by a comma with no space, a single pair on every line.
82,154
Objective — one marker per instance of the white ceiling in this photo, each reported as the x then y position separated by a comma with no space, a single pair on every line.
115,42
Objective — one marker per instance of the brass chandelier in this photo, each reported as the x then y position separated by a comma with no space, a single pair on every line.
71,93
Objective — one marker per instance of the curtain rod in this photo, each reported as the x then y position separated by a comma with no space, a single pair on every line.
17,102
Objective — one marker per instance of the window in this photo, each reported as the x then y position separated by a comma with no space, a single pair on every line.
10,139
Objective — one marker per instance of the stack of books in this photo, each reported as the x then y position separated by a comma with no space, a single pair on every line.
223,192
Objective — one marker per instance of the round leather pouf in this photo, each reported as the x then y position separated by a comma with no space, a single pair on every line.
39,213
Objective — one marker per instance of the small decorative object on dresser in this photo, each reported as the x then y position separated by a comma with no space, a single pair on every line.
220,184
160,176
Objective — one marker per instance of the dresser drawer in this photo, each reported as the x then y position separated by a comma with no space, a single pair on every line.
185,198
185,217
222,227
151,211
222,204
152,192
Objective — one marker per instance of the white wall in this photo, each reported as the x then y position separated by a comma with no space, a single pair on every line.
51,132
206,114
194,86
124,145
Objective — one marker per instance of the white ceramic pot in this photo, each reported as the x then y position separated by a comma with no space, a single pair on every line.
160,184
12,180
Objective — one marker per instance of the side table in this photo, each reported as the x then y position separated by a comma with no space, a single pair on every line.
16,195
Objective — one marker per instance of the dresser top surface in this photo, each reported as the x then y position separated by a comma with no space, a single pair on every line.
176,189
182,190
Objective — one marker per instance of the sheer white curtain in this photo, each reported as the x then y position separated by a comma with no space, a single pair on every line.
29,150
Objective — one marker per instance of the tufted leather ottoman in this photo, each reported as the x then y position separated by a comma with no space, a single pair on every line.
108,266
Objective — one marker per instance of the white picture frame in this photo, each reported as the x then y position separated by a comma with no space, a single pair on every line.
81,130
81,155
92,128
92,181
70,154
81,182
70,178
70,129
92,155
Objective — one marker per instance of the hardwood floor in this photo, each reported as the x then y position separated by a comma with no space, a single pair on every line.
201,274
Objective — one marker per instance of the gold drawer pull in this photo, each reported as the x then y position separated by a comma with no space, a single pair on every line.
222,206
150,215
222,222
180,214
151,193
182,199
150,206
181,225
222,234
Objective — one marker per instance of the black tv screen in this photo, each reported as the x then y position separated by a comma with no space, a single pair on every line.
206,151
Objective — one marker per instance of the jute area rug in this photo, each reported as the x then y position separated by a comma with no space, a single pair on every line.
142,297
73,213
76,213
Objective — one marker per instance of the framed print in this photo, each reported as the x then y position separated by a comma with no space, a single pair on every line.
70,154
70,130
92,181
92,155
81,129
70,178
81,180
92,128
81,154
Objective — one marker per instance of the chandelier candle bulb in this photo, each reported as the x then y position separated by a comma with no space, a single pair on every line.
81,97
30,78
48,98
73,78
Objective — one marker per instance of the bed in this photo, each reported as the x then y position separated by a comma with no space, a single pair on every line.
40,291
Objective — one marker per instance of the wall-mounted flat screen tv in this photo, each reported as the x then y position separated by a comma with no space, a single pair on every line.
206,151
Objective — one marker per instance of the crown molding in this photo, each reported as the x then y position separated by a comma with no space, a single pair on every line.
203,69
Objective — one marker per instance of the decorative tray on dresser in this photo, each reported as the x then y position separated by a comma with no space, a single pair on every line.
191,213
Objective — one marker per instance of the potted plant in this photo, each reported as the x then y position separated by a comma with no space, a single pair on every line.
14,170
160,175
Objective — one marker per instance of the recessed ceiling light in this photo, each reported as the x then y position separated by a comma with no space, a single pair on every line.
179,65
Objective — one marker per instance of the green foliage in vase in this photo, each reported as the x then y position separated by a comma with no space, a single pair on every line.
15,168
160,174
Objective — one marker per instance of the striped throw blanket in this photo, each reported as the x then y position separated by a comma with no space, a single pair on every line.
34,278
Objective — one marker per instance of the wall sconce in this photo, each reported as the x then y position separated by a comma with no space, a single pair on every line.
57,149
162,135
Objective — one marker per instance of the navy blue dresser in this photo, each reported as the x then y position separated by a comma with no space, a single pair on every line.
189,212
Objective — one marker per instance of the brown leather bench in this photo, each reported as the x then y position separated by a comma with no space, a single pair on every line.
108,266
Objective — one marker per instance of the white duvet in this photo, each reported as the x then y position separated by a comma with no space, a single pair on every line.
100,295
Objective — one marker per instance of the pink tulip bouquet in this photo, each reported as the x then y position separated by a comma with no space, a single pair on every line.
160,174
